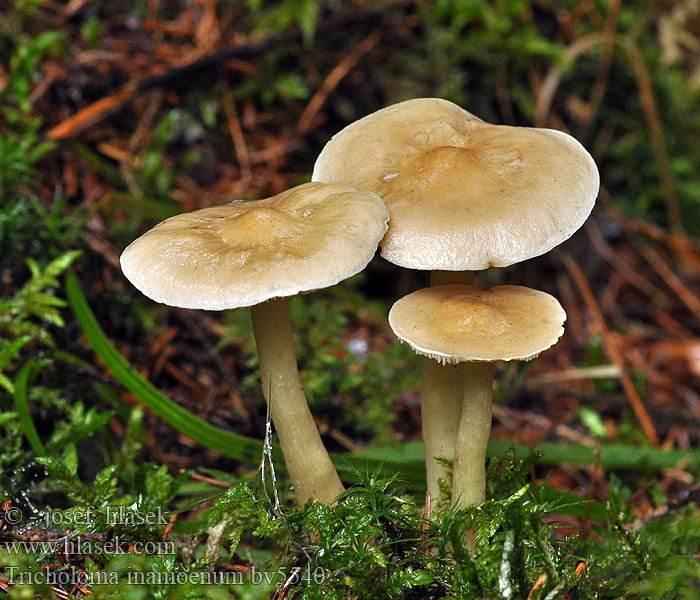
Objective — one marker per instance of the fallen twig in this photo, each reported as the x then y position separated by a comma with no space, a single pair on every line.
611,349
97,111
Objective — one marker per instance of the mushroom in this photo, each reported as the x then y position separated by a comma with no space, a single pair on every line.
461,324
258,254
463,195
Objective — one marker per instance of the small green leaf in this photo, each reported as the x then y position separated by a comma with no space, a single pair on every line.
9,352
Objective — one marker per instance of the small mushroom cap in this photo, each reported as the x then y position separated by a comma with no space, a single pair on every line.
463,194
240,254
461,323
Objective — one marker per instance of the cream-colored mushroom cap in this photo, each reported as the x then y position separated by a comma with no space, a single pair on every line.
461,323
463,194
240,254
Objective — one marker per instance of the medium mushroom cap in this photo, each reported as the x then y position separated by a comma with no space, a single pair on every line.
240,254
463,194
461,323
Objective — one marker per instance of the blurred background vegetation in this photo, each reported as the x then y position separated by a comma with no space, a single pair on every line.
114,116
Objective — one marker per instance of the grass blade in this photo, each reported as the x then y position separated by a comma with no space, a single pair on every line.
225,442
21,396
612,456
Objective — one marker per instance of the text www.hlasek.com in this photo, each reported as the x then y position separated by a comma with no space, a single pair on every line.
80,545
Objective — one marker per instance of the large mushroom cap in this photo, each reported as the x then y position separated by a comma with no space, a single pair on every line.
240,254
463,194
461,323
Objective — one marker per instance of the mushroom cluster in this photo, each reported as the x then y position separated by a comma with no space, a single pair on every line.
437,189
464,195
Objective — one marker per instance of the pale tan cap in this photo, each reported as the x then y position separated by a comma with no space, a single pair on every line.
463,194
461,323
240,254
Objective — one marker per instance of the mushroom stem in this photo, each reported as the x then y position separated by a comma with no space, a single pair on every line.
441,408
441,401
310,468
469,472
